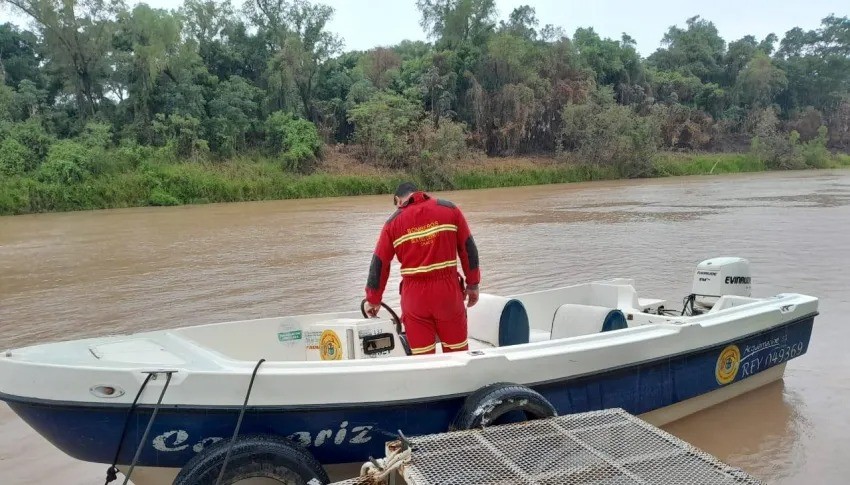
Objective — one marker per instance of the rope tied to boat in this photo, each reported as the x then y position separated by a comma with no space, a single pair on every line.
398,454
150,424
112,471
238,422
379,470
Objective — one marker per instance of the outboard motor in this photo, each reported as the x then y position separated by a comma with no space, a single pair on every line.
717,277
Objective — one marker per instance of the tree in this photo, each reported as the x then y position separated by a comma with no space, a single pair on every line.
19,56
206,20
760,81
384,127
697,50
437,89
816,64
205,80
508,60
455,22
377,65
298,30
208,23
233,114
615,63
522,23
77,38
152,38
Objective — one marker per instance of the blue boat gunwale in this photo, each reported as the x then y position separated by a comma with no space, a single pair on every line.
224,408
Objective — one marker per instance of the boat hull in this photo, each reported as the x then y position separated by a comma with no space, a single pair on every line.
351,433
658,417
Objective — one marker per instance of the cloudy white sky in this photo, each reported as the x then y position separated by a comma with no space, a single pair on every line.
367,23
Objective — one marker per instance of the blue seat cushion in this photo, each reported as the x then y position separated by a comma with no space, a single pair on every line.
513,324
615,320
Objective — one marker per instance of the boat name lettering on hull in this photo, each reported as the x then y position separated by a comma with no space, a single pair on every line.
751,349
178,439
162,443
754,358
769,359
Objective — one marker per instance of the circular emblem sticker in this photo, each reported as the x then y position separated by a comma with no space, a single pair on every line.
727,365
330,347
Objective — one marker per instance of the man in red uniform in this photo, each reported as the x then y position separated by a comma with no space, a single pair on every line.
427,235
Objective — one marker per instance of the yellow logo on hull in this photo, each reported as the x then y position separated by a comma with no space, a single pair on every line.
330,347
727,365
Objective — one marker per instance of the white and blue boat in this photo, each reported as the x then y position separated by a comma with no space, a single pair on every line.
341,385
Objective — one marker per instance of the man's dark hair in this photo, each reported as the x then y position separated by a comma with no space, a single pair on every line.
405,188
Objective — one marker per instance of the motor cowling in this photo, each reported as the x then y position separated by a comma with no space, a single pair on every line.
717,277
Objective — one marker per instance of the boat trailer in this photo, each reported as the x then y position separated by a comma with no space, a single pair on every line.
598,447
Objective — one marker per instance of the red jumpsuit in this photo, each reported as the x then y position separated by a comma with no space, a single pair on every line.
427,235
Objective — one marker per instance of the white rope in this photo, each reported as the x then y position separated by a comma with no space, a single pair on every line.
385,467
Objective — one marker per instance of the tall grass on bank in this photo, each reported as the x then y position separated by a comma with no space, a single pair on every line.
152,184
163,185
678,165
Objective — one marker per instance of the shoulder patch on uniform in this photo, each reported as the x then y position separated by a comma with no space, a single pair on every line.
374,280
472,252
395,214
446,203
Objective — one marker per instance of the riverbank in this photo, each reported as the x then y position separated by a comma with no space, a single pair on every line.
160,184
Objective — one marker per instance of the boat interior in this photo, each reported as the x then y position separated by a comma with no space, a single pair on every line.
495,321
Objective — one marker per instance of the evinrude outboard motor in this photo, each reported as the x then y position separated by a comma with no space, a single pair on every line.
717,277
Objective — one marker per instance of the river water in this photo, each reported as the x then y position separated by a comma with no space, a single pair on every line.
73,275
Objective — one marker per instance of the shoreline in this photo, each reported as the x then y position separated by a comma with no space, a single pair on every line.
173,184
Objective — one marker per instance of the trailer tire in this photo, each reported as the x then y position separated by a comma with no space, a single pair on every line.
488,403
254,456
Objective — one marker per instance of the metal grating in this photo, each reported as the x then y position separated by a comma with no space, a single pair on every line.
610,447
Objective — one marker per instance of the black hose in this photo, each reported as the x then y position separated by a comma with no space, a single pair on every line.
112,471
689,300
238,422
148,428
688,308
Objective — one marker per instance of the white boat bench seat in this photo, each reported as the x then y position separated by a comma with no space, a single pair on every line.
536,335
572,320
496,321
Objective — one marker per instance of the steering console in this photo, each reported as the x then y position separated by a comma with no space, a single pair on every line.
396,319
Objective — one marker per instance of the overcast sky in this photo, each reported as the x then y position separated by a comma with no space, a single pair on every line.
368,23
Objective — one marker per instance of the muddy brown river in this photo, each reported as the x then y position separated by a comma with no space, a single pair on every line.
73,275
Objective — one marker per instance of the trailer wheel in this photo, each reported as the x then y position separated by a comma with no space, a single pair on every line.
254,456
489,403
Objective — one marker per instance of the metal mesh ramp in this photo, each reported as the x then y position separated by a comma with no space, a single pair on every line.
610,447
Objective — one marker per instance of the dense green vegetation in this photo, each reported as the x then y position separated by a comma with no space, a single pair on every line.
246,180
103,105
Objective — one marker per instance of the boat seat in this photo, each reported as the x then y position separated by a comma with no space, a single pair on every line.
498,321
539,335
573,320
475,344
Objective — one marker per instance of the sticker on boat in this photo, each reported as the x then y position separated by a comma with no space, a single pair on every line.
289,334
727,365
311,339
330,346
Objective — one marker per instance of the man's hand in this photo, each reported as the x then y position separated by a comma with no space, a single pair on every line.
471,295
372,310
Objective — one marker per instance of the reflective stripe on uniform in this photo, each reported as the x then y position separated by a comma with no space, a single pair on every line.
423,350
424,233
430,267
456,346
